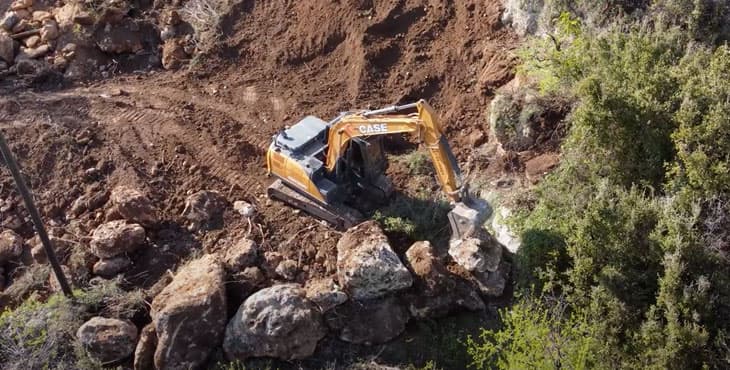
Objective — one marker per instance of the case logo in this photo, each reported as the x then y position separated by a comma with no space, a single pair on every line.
373,129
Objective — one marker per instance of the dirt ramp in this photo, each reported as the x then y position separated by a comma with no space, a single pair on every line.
330,56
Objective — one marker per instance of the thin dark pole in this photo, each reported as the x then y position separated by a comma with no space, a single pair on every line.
30,205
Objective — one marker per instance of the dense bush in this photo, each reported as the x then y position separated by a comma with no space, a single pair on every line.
632,228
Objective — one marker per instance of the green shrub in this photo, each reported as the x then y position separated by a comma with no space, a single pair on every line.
632,227
536,336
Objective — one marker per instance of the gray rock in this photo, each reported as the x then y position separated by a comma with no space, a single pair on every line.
523,15
134,206
110,267
287,269
476,254
246,209
11,246
7,48
493,283
512,120
369,322
325,294
241,255
89,202
107,340
121,39
367,267
203,209
189,315
275,322
33,53
116,237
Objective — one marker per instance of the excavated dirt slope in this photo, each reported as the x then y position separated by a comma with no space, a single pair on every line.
174,133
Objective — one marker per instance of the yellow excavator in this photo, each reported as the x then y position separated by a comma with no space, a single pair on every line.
328,169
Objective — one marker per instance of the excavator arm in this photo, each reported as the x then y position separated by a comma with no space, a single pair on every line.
387,121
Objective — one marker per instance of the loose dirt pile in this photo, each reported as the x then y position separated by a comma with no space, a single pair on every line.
173,134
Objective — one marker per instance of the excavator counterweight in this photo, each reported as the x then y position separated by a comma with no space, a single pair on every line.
326,168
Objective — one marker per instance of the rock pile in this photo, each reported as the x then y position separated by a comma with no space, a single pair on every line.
28,33
114,240
82,40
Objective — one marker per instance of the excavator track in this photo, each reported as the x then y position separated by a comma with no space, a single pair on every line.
340,216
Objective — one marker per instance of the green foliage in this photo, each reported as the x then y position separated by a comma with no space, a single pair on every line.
418,162
41,334
536,336
632,227
704,20
703,139
415,217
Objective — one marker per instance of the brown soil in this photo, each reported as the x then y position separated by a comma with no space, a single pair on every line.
174,133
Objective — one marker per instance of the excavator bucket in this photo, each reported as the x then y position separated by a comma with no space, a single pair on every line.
464,220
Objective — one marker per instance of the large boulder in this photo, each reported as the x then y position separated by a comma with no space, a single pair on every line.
275,322
134,206
11,246
189,315
478,253
367,267
369,322
116,237
107,340
436,291
204,209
